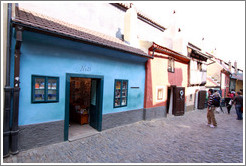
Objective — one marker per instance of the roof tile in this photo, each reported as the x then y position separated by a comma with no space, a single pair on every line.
37,20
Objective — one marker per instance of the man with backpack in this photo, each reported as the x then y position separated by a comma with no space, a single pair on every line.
211,108
217,100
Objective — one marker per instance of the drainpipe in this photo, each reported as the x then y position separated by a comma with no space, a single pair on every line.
7,89
153,53
15,116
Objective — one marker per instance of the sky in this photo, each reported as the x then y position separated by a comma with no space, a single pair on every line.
220,23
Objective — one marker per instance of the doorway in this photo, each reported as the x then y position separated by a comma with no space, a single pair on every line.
169,100
83,114
175,100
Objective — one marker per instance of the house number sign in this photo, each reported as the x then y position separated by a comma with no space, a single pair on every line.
181,94
85,68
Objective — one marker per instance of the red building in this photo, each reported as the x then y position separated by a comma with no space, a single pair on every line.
166,82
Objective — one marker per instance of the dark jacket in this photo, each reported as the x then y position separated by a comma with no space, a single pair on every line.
238,100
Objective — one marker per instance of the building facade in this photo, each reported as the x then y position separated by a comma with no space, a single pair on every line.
236,78
102,70
219,72
66,74
166,82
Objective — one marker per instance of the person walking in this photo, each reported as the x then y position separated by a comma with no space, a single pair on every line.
229,104
216,94
210,110
238,101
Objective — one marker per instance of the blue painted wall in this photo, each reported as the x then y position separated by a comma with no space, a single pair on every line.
52,56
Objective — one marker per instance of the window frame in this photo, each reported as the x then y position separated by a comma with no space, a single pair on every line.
120,93
157,93
46,78
199,66
171,63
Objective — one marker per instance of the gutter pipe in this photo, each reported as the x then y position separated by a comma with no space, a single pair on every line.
7,89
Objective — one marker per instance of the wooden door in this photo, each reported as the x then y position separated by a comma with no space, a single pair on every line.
178,101
201,99
95,114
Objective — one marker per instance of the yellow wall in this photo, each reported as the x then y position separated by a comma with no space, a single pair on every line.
214,70
239,85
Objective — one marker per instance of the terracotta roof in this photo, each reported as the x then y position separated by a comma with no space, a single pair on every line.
197,52
160,49
142,16
41,22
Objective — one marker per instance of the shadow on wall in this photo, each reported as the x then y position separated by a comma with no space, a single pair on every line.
175,78
118,34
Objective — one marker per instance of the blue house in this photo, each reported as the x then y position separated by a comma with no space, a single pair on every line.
69,76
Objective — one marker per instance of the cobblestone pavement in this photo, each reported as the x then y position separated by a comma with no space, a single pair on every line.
175,139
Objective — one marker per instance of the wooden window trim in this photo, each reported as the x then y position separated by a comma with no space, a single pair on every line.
46,78
121,88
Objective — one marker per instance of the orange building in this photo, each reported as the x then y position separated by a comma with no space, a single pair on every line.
166,82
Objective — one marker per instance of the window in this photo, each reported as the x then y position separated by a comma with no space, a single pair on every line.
199,66
159,93
45,89
171,64
120,93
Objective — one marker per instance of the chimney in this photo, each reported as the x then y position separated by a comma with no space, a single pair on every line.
170,33
235,65
203,44
173,25
229,63
130,26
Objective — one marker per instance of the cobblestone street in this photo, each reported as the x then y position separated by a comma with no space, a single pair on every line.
175,139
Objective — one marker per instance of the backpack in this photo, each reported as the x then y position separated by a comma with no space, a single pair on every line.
216,101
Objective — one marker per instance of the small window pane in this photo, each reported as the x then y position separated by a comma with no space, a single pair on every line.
52,84
51,94
39,95
39,89
123,102
118,84
124,93
124,85
39,83
117,93
117,102
52,89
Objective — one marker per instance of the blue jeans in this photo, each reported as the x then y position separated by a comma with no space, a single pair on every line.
239,113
